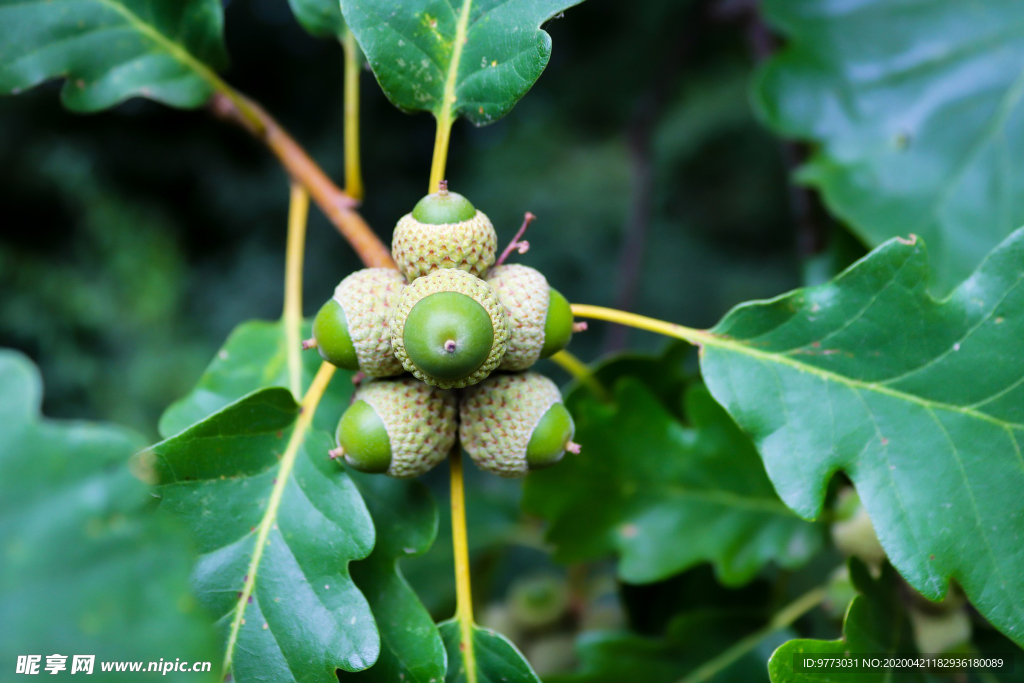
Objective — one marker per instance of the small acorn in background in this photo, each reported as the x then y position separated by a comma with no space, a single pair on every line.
853,533
512,424
444,230
448,329
401,427
352,331
539,600
539,318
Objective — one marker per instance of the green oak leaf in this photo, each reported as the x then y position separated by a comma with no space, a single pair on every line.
321,18
916,115
919,401
691,639
111,50
88,565
291,526
670,495
471,58
255,356
875,623
494,658
404,515
406,519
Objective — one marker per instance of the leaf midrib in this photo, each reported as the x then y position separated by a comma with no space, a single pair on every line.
451,79
728,499
286,466
176,51
704,339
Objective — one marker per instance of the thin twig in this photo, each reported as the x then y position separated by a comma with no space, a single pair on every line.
517,244
813,227
298,210
336,205
353,168
784,618
641,202
580,372
460,548
638,221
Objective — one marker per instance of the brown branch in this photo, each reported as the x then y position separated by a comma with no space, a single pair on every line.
522,246
336,205
638,220
640,141
813,227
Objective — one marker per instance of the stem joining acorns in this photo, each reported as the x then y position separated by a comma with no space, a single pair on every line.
454,319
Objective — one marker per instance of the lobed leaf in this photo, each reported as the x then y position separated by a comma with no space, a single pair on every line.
494,658
670,496
254,357
919,401
474,58
406,519
875,623
111,50
89,567
915,110
321,18
289,527
404,516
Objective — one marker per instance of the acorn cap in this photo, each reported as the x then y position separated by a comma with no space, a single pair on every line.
448,329
444,230
511,424
539,318
401,427
352,329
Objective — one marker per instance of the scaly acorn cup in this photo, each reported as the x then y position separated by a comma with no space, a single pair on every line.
444,230
352,329
401,427
448,329
512,424
539,317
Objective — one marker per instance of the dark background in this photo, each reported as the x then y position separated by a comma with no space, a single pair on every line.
133,241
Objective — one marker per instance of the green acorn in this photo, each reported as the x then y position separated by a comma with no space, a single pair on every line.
444,230
852,532
400,427
511,424
538,601
448,329
940,633
539,317
352,329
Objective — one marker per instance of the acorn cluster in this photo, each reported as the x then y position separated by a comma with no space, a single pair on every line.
445,343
